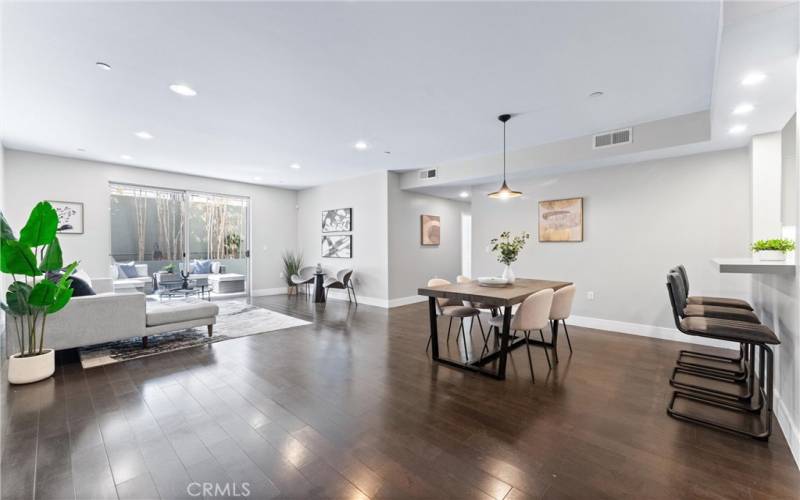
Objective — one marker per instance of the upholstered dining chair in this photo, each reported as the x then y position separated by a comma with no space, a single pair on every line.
449,309
305,276
342,281
533,314
477,305
562,308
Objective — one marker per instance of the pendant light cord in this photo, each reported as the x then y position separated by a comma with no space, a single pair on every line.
504,152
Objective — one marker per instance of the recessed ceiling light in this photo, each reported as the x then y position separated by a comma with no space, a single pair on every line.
387,152
103,66
184,90
294,166
81,150
753,78
360,145
463,194
126,157
144,134
743,109
596,94
737,129
256,179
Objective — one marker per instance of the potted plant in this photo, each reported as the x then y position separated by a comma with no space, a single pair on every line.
507,248
32,298
774,249
292,262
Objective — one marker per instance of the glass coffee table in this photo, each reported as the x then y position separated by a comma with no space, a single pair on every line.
197,287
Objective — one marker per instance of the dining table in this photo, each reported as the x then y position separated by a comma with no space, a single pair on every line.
498,298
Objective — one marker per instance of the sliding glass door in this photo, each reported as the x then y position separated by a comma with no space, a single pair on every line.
162,228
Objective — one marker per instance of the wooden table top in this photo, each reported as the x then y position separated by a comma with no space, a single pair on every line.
505,296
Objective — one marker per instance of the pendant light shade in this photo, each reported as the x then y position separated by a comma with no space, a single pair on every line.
504,192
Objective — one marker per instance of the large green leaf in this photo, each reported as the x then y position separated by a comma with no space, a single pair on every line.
67,273
41,226
52,257
6,232
17,298
62,299
43,294
17,258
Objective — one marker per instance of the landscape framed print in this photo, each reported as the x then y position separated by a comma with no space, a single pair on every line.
338,246
338,220
561,220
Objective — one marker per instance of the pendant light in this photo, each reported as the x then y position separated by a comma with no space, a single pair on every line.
504,192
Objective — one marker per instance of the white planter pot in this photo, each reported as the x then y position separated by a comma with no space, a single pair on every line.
31,369
770,255
508,274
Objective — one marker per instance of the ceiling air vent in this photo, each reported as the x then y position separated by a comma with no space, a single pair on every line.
429,173
615,138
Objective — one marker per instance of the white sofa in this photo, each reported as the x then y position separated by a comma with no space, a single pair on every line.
108,316
143,282
219,280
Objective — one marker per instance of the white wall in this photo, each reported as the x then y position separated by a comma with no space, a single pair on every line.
776,301
31,177
411,265
367,196
765,183
639,221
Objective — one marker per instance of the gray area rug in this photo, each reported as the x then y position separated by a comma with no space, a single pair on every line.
236,319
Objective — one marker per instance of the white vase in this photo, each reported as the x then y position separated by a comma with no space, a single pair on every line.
31,369
770,255
508,274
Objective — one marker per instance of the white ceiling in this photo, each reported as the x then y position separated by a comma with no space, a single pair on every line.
280,83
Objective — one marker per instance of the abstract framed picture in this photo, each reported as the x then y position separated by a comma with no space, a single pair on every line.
561,220
337,220
430,230
338,246
70,216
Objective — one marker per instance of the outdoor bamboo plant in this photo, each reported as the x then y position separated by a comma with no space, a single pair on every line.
32,297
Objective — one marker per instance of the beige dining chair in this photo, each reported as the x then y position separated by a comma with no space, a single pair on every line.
562,308
447,308
533,314
477,305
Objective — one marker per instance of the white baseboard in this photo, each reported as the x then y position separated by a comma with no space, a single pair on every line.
404,301
370,301
658,332
268,291
790,428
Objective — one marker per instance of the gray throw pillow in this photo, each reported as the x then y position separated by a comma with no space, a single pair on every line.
127,270
201,266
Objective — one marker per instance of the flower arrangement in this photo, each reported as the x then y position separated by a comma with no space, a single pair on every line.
778,244
507,248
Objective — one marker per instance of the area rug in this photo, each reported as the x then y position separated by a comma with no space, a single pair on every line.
236,319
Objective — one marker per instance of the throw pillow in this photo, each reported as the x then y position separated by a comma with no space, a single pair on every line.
201,267
127,270
83,275
216,267
79,287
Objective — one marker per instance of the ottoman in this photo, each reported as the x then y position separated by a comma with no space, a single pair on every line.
162,317
227,282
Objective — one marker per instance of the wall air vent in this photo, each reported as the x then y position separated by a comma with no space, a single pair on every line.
428,173
614,138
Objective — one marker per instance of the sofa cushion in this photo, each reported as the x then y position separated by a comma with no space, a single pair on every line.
201,266
164,313
127,270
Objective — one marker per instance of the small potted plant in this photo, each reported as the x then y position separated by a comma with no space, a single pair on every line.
32,297
774,249
292,262
507,249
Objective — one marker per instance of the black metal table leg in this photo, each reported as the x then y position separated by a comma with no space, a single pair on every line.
504,336
434,332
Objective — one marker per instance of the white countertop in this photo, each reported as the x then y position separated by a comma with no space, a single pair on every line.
752,265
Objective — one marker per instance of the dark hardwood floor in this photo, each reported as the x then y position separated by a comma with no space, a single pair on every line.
352,407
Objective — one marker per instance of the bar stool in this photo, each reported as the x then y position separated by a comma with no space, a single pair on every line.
533,314
708,301
445,307
752,336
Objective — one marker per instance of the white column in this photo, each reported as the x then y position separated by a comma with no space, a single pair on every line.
765,156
